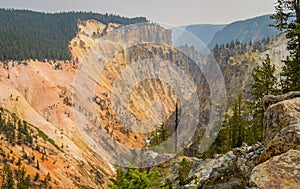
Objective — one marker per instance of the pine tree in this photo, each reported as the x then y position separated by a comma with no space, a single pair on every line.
7,177
287,18
47,180
22,181
134,179
37,164
237,123
264,80
36,177
183,172
264,83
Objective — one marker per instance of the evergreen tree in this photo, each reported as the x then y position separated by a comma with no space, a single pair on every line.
47,180
264,83
134,179
37,164
23,181
264,80
235,129
183,172
7,177
36,177
237,123
287,18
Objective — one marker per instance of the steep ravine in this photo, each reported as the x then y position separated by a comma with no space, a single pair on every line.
41,94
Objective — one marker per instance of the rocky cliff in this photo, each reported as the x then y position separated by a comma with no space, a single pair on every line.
40,93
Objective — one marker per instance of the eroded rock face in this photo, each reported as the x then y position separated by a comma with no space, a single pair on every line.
278,166
281,111
288,138
282,124
281,171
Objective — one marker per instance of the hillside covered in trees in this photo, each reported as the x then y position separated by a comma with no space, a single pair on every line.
34,35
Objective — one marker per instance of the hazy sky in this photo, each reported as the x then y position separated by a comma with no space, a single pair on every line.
175,12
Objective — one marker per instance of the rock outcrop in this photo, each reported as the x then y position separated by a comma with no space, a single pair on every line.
281,171
278,166
280,112
273,164
234,170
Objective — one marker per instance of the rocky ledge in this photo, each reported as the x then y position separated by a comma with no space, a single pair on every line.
273,164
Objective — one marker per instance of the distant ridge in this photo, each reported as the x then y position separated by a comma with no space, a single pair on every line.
205,32
254,29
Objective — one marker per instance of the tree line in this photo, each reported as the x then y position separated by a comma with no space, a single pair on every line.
27,35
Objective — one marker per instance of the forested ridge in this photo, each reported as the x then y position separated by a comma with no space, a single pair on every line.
27,34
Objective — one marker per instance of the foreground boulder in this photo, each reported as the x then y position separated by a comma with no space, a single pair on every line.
280,112
278,166
288,138
281,171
